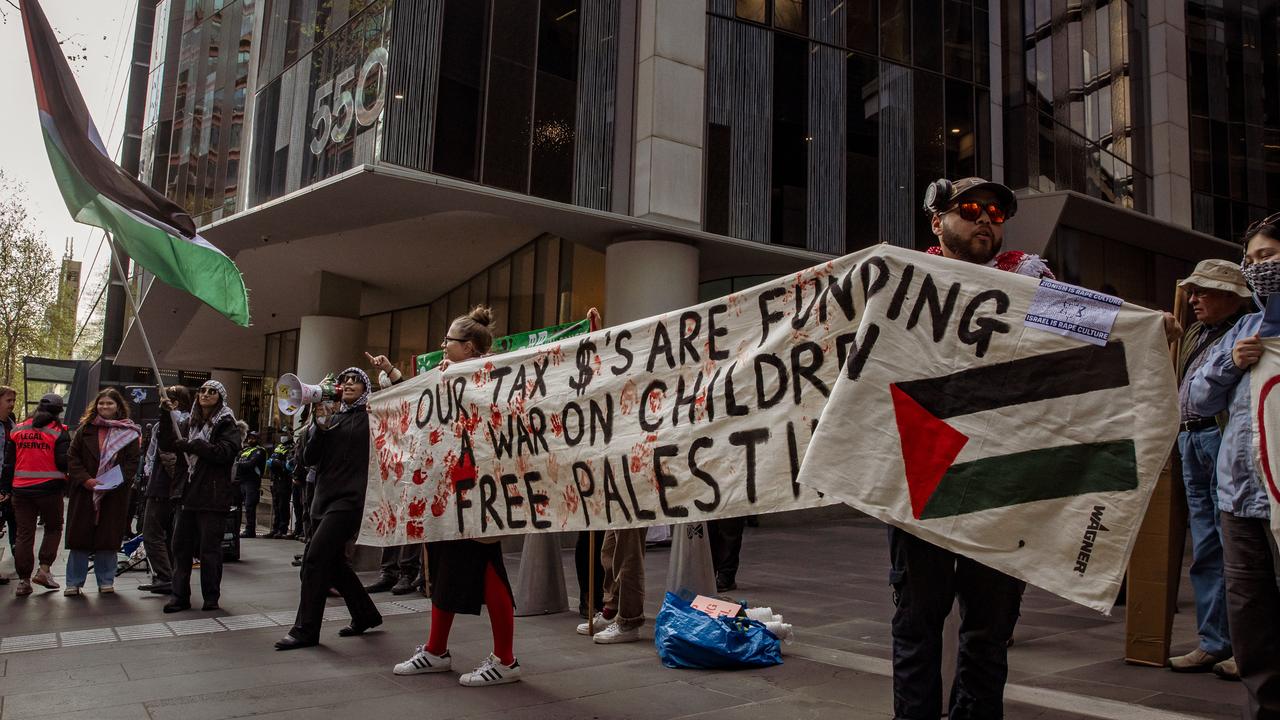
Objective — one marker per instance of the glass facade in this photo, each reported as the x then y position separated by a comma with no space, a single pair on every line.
1233,92
1109,265
827,119
209,94
1074,98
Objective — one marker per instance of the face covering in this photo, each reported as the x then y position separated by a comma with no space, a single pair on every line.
1263,278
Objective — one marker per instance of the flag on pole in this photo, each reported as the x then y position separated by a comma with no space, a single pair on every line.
157,233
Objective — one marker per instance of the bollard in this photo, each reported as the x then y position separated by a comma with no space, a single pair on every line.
691,567
539,587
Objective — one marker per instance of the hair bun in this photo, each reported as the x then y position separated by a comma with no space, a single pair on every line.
481,314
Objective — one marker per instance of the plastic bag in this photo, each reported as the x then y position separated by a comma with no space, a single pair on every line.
689,638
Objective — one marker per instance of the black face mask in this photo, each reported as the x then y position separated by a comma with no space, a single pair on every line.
1263,278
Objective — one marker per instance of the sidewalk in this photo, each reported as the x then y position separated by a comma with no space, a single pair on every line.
69,657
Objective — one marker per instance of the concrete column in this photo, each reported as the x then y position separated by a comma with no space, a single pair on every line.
645,278
328,344
231,380
670,94
1170,113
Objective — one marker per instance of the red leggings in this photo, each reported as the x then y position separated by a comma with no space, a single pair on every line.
502,617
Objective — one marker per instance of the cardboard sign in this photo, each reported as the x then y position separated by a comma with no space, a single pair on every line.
716,608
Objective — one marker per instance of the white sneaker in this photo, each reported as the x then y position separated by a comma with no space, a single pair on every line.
491,672
71,590
599,622
424,662
615,633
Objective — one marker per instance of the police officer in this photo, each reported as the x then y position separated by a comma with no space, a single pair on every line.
249,467
281,486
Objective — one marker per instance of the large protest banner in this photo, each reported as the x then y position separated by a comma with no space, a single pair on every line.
709,411
1265,377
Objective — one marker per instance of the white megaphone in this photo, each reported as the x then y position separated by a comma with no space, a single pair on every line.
292,393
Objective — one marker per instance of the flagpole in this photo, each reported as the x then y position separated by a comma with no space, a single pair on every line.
137,313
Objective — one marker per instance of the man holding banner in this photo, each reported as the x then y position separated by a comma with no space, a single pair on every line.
1237,376
968,219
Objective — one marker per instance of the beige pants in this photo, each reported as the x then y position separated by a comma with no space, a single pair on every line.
622,557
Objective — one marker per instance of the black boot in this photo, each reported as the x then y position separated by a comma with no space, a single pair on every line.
403,586
382,584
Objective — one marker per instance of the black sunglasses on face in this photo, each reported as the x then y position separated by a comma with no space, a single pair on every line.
206,391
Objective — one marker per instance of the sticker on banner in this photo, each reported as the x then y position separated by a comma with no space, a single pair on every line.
1073,311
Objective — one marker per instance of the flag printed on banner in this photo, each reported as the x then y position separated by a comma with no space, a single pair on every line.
1265,394
1030,451
904,384
941,487
155,232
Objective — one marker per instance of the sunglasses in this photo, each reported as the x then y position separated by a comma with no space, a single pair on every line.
971,211
206,391
448,339
1257,225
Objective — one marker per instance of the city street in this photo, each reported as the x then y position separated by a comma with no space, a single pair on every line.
105,657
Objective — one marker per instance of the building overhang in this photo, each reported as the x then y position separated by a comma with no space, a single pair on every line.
407,237
1041,214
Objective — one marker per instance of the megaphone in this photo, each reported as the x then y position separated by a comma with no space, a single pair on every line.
292,393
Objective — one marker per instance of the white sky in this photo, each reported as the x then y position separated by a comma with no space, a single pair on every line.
104,30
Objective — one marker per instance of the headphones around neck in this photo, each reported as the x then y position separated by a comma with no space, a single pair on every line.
937,195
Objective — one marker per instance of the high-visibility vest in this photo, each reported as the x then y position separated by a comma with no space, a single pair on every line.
34,460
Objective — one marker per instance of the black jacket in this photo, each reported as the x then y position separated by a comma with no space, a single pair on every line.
250,463
209,486
6,471
340,455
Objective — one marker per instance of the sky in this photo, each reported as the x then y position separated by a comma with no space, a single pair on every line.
101,31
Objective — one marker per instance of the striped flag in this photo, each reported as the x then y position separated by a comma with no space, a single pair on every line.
157,233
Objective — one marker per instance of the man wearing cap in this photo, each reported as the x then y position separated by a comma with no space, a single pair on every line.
1218,296
967,217
249,466
39,444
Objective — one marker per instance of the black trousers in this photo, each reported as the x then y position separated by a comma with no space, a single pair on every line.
726,545
402,561
1253,611
297,496
281,501
926,582
157,537
581,558
198,531
250,494
325,565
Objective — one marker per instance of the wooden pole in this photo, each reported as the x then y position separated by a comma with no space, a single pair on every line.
591,582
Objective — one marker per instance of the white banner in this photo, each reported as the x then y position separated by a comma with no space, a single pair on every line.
1265,380
708,412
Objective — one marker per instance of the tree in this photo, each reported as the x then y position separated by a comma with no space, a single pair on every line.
28,282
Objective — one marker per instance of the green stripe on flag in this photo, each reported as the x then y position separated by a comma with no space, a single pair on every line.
1046,474
202,271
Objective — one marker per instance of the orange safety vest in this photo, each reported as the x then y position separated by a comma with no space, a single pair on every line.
34,460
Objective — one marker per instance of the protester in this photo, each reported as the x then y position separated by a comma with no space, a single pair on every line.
466,574
401,571
106,441
249,467
967,217
166,473
278,467
1222,383
1218,297
725,536
39,444
338,445
8,396
210,442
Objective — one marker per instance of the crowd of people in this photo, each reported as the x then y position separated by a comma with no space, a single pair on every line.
200,461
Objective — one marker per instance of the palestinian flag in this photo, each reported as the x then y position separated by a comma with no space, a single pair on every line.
941,487
157,233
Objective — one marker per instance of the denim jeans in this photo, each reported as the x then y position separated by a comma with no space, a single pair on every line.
104,567
1199,450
